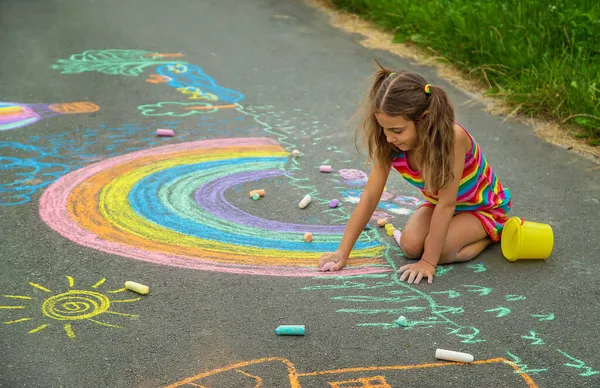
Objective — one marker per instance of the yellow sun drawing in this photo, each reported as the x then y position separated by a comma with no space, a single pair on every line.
73,305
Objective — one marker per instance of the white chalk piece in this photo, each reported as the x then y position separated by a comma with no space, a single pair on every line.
325,168
397,235
137,287
296,153
449,355
305,201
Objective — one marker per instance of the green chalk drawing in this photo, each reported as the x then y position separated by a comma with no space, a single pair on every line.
543,317
514,298
443,269
501,311
367,298
174,109
533,336
479,289
111,62
347,284
524,368
401,310
451,293
587,371
480,267
468,333
380,324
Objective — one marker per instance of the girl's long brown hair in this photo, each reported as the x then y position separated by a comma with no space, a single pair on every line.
402,94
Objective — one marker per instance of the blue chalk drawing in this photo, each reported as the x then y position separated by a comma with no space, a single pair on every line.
188,76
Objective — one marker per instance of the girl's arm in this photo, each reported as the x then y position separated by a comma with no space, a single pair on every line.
366,206
444,210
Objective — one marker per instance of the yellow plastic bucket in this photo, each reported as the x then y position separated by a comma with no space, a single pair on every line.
526,240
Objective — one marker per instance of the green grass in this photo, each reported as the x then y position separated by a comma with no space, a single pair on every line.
543,59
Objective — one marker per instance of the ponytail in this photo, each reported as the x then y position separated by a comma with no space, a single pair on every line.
436,140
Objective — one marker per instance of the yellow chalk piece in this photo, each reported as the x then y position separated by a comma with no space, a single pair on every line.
10,110
137,287
390,231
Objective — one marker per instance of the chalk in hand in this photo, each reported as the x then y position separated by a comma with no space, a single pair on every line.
296,153
165,132
308,236
334,203
449,355
305,201
290,330
325,168
327,266
137,287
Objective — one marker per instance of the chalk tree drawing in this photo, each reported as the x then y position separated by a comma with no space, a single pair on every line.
112,62
186,78
277,371
66,308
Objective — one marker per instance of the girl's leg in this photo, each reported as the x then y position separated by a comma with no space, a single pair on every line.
415,231
465,240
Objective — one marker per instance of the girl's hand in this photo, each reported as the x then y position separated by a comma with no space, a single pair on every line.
333,261
417,271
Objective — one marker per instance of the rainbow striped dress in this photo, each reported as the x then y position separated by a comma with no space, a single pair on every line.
479,193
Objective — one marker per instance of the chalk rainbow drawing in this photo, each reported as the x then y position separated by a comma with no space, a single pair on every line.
74,305
166,205
278,371
32,113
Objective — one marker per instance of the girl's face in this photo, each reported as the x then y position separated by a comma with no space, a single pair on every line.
398,130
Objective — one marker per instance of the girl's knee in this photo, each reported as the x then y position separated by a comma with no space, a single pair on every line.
411,245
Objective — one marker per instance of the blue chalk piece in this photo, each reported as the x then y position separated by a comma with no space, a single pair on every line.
290,330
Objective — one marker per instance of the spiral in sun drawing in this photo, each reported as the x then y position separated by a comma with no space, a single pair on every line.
167,205
74,305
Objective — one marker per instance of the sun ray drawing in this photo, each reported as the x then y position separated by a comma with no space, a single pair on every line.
66,308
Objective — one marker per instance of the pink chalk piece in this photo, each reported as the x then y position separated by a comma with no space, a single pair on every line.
325,168
397,235
327,266
334,203
165,132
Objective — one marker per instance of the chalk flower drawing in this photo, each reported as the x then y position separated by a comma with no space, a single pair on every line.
74,305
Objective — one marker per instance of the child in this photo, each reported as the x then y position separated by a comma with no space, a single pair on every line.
409,125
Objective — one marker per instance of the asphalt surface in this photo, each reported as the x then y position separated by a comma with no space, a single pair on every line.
89,200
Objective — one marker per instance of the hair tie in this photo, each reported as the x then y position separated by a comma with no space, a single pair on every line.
427,90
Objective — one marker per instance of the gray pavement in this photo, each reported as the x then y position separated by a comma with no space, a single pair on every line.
89,200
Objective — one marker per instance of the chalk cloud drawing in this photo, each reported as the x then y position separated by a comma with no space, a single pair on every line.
66,308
